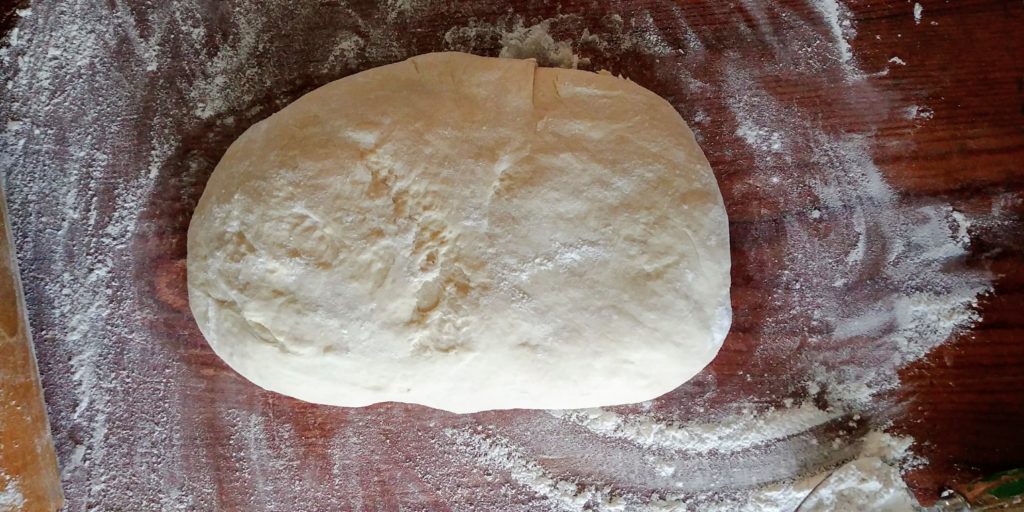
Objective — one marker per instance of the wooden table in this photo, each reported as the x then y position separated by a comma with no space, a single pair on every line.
178,427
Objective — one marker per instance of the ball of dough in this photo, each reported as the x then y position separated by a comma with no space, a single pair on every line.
466,233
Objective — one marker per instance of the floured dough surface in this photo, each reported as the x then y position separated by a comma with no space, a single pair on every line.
466,233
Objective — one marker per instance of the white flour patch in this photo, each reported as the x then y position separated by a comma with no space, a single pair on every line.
647,36
11,497
500,454
871,479
239,71
396,7
918,10
761,138
919,298
863,484
725,435
76,157
837,18
856,254
227,81
267,471
346,50
919,112
84,247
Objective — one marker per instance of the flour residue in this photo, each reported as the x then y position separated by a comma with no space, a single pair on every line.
922,294
919,112
499,453
87,142
872,481
239,71
759,137
725,435
837,18
11,497
535,42
867,483
566,41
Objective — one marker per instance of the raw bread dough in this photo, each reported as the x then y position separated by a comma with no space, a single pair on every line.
466,233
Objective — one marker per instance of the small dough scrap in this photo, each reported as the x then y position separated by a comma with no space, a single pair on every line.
466,233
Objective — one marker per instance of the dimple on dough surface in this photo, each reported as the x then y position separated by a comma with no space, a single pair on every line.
466,233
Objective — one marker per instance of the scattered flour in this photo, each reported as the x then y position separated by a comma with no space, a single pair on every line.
919,294
871,481
61,87
501,454
215,91
878,291
725,435
11,498
761,138
918,9
863,484
841,26
919,112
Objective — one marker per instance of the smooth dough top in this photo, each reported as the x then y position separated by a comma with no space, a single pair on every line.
466,233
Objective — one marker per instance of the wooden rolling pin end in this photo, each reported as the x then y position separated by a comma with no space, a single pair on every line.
29,478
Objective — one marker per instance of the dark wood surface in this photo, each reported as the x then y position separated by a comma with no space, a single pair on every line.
963,403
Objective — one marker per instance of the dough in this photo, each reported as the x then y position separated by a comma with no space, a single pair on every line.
466,233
